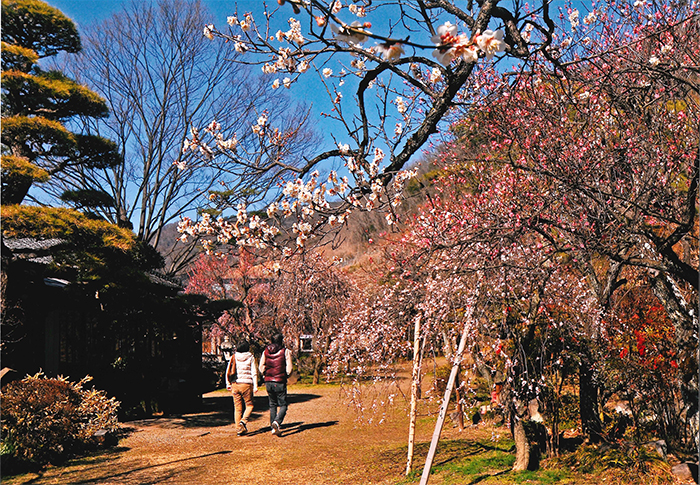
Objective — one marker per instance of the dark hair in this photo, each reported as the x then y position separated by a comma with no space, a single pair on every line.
277,339
243,346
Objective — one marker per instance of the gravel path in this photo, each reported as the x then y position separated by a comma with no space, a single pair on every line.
322,443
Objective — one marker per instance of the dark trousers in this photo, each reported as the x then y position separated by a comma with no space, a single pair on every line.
277,395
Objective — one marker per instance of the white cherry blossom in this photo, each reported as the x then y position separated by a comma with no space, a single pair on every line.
491,42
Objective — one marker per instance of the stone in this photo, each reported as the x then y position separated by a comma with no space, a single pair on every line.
660,447
688,472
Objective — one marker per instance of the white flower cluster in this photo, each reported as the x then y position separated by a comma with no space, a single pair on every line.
244,24
402,177
285,62
450,45
400,105
590,18
195,143
259,127
305,199
293,35
358,64
573,19
246,231
357,10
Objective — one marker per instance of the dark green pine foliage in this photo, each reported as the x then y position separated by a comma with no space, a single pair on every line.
36,104
113,320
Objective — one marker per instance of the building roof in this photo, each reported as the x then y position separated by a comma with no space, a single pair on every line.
37,251
32,249
30,243
161,279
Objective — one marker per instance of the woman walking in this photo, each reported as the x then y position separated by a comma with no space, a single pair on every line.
241,369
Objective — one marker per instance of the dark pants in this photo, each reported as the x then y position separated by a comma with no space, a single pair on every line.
277,395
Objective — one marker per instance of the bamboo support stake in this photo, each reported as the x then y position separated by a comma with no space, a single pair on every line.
445,402
415,379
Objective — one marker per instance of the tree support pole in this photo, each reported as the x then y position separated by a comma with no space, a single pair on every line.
445,402
415,380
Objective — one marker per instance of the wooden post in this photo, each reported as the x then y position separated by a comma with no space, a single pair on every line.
445,402
415,380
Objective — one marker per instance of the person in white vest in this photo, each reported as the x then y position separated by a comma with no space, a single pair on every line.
242,381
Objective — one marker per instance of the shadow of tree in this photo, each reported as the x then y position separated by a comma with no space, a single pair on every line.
123,476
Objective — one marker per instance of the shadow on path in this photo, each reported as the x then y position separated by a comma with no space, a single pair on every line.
218,410
294,428
133,470
289,429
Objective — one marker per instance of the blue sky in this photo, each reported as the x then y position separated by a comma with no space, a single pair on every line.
84,12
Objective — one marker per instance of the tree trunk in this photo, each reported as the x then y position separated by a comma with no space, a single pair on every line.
458,401
588,402
553,438
522,445
415,387
318,364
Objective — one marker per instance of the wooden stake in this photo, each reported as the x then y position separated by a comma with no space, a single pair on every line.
415,380
445,402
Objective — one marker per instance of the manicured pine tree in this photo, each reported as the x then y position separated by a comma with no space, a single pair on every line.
36,143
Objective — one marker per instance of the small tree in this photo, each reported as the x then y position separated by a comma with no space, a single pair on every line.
36,144
310,296
238,290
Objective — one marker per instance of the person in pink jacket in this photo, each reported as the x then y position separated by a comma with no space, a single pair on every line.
242,381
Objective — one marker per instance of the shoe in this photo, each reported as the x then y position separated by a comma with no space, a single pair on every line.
242,428
275,428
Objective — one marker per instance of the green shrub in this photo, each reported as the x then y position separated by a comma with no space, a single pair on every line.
48,420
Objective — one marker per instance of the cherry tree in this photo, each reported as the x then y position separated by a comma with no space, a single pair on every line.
615,134
310,294
529,299
406,86
239,284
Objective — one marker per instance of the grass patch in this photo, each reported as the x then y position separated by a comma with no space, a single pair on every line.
542,477
488,463
483,462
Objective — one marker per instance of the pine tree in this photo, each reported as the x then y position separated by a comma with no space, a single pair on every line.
36,144
36,104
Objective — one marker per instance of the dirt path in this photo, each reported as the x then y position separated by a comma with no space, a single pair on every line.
322,443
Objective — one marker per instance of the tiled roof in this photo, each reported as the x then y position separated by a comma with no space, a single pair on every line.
30,243
163,280
30,249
